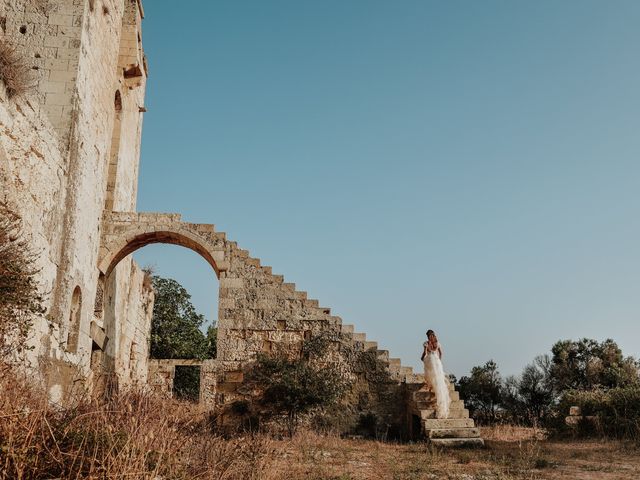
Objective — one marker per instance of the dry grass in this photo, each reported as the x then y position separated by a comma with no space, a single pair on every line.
134,435
16,74
512,433
140,436
309,456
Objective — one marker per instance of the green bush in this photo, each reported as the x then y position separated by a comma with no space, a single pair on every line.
615,412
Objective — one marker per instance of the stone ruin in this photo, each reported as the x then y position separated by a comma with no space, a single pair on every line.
69,154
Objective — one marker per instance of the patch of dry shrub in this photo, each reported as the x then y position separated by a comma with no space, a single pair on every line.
132,435
20,298
16,74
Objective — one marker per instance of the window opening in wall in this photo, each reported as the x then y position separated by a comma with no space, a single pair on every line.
74,320
186,383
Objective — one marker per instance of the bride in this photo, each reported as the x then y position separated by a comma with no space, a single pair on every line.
434,374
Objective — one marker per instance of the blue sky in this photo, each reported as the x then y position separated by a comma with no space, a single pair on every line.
471,167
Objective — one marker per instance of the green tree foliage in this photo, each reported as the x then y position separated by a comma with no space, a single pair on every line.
175,327
482,391
617,411
212,341
586,364
186,383
530,398
591,374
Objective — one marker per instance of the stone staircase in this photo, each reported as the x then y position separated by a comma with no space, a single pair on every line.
458,430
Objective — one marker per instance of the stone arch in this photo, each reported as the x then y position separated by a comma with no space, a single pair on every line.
124,233
130,243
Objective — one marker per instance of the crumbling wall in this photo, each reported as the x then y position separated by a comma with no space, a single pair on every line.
32,181
57,144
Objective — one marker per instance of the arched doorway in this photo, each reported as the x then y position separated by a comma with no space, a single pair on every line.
124,302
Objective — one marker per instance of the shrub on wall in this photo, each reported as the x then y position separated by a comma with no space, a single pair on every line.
14,71
20,299
288,384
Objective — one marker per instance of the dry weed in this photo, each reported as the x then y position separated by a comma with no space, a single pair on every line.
16,74
133,435
512,433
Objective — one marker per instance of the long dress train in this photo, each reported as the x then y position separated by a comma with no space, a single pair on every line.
434,376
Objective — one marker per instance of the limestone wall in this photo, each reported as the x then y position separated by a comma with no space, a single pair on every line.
57,146
32,180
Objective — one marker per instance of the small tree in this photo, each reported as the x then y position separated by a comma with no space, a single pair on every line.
294,386
175,327
482,391
530,397
586,364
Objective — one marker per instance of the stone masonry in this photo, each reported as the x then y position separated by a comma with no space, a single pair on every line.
69,155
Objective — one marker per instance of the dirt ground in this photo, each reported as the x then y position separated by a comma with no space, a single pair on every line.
510,453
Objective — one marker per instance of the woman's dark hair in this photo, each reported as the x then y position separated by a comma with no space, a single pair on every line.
429,332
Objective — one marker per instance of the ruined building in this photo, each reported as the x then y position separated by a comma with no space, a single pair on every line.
69,153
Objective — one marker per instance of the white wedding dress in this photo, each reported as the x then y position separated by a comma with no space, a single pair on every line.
435,378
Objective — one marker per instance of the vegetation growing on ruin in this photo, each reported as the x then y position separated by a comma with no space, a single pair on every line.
15,73
20,298
290,387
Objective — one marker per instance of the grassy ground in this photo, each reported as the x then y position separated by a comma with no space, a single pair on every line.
510,453
134,435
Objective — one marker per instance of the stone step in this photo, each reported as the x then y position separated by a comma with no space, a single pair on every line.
383,355
430,403
395,363
347,328
406,370
447,423
359,337
204,227
370,345
426,413
423,396
458,442
427,394
454,433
